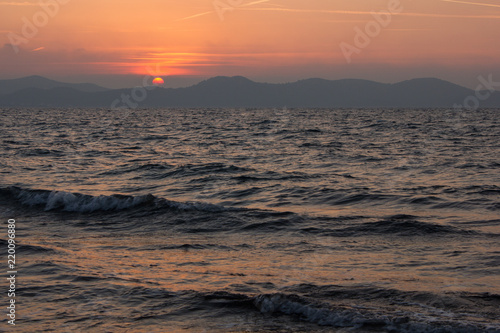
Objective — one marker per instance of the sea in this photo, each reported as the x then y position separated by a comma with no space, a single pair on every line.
251,220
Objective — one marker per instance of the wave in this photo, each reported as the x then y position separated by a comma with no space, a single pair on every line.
368,308
129,168
274,176
83,203
203,169
236,220
76,202
438,190
346,317
162,171
397,225
483,190
301,308
402,225
40,152
188,247
34,249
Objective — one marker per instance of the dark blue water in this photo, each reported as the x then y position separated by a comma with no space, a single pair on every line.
254,220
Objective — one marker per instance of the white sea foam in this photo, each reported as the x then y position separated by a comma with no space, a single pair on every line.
309,312
325,315
72,202
75,202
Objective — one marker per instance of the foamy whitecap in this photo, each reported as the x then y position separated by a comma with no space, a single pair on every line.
76,202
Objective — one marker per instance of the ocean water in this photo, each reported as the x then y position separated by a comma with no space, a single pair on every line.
253,220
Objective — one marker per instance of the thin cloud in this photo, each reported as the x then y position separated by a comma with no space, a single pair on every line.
254,3
416,29
184,55
196,15
472,3
11,3
350,12
235,7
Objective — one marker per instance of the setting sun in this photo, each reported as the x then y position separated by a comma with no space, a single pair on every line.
158,81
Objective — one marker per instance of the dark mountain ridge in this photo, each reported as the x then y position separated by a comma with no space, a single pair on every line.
35,81
239,91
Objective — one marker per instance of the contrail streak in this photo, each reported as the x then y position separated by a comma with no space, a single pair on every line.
348,12
473,3
213,11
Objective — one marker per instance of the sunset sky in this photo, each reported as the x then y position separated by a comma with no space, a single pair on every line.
114,42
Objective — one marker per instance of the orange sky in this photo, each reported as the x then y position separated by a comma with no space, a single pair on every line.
267,40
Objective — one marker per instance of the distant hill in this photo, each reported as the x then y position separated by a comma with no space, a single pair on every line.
241,92
14,85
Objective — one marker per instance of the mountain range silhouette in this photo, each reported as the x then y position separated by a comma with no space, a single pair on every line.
238,91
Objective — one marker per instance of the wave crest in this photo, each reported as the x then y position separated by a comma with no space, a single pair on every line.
83,203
